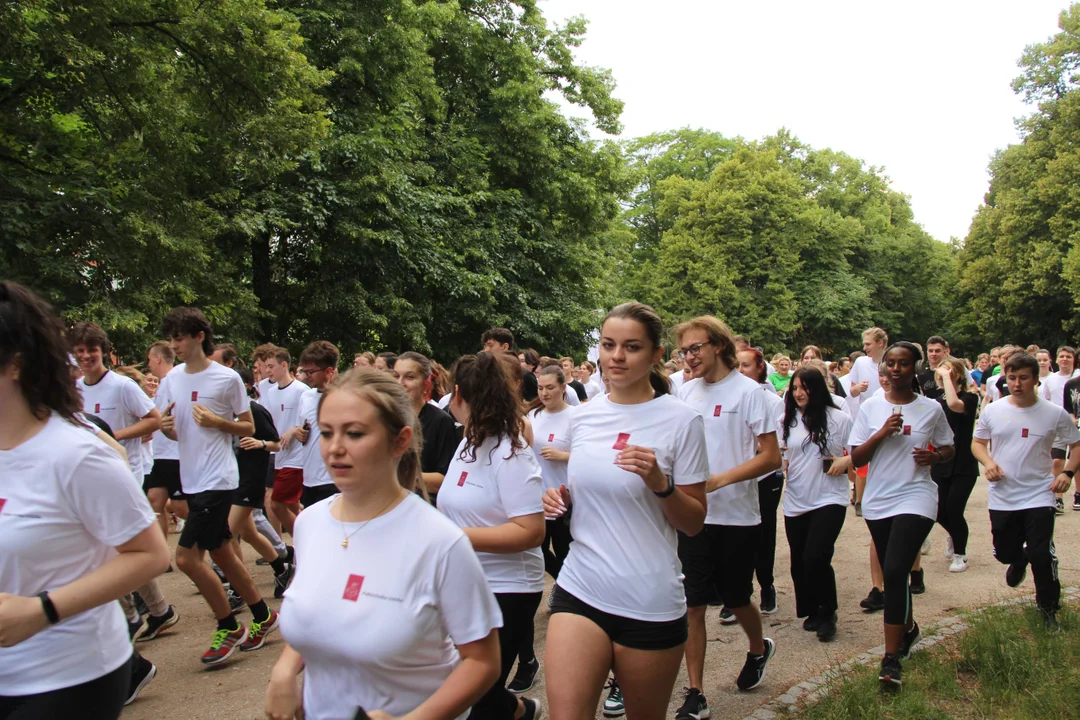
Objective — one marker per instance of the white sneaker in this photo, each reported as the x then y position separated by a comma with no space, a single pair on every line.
927,543
959,563
950,549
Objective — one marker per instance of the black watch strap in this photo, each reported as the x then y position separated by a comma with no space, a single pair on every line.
670,488
50,609
1070,473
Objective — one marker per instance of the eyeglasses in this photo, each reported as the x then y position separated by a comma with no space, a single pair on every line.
309,372
692,350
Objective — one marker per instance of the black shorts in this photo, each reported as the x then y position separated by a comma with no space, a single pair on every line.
312,495
1057,453
207,523
251,493
634,634
166,474
269,482
720,557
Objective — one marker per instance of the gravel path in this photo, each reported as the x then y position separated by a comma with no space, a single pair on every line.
184,689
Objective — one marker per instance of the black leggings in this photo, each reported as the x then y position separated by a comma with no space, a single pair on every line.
898,540
1027,536
953,494
556,544
518,611
769,491
812,538
100,699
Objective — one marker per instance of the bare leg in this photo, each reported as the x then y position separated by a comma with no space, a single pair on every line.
577,660
190,562
236,574
696,643
750,620
242,526
876,576
646,678
158,497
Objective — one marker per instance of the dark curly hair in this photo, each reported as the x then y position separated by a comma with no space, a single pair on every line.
487,387
816,414
32,335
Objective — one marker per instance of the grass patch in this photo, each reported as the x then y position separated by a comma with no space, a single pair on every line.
1006,665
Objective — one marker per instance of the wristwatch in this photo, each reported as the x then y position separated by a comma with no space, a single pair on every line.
264,444
1070,473
670,488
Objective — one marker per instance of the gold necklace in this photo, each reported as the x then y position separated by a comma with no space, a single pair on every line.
345,539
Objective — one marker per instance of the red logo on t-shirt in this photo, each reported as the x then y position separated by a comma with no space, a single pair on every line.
551,437
282,407
461,480
1024,433
716,411
2,501
622,441
194,396
97,408
907,429
352,587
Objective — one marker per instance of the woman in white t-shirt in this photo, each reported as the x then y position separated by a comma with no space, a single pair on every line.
389,610
551,443
493,491
900,435
813,433
69,508
636,474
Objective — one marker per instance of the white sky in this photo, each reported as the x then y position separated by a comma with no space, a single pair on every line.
918,88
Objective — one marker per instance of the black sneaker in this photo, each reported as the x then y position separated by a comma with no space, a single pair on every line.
694,706
1076,501
890,672
1059,506
290,554
810,624
910,639
826,627
235,601
134,627
727,617
768,600
753,670
261,561
917,582
140,604
141,675
1016,573
533,709
874,601
220,575
1051,623
613,703
524,677
157,625
282,580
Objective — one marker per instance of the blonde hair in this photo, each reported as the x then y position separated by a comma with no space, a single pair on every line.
395,410
877,334
959,372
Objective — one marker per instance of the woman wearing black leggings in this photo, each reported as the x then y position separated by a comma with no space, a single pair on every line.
903,434
956,479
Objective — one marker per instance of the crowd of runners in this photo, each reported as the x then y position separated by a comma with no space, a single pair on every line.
409,511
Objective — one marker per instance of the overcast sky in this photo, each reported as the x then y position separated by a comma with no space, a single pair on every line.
918,88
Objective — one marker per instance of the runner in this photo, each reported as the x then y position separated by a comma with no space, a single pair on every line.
893,435
390,620
571,381
282,399
1052,388
1071,403
440,434
782,377
319,363
163,484
63,639
956,477
200,398
385,361
364,359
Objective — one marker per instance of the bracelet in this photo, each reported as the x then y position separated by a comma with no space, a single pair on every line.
670,488
49,608
264,444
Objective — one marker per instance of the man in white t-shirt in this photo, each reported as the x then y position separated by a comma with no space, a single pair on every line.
1052,388
864,371
117,400
1012,441
202,397
319,362
163,484
738,423
282,399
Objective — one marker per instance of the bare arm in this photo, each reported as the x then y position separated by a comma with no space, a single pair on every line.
981,450
862,454
479,668
433,481
685,508
767,460
149,423
520,533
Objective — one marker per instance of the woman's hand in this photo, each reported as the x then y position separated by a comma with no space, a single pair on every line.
250,443
893,425
993,472
925,457
556,502
642,461
283,701
550,453
840,466
21,618
944,374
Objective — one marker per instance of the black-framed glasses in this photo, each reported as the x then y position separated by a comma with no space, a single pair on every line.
684,353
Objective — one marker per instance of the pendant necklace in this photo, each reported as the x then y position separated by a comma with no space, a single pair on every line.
345,539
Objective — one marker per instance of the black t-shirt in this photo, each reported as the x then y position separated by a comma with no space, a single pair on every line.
963,427
528,387
254,463
1070,398
1002,385
579,389
928,383
441,438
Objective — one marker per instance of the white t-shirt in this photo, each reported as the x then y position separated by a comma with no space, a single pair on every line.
864,368
284,406
677,380
120,402
776,408
571,397
551,430
1052,387
164,448
499,484
808,486
735,412
851,404
207,461
66,500
623,559
444,400
315,472
992,391
592,388
377,622
1020,442
894,484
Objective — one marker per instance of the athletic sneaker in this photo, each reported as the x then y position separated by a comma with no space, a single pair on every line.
613,704
890,672
768,600
140,604
141,675
959,563
1076,501
1059,506
282,580
874,601
910,639
224,644
134,626
157,625
694,706
1016,573
727,617
259,630
235,601
220,575
524,677
753,671
826,627
1050,622
917,583
810,624
950,548
926,545
533,709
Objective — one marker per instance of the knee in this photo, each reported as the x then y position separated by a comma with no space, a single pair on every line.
186,561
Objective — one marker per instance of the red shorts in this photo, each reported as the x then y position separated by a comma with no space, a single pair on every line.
288,485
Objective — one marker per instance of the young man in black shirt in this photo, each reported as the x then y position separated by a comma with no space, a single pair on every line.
441,434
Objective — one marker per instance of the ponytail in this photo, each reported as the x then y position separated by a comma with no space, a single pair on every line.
659,380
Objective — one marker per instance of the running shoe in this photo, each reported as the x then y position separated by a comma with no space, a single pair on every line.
950,548
917,583
1051,623
261,561
141,675
156,625
1059,506
1016,573
768,600
134,627
874,601
140,604
223,645
826,627
889,676
694,706
727,617
910,640
753,671
282,580
1076,501
613,704
810,624
259,630
959,564
524,677
235,601
533,709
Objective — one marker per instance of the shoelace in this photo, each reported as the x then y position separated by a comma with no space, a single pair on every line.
219,639
256,628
